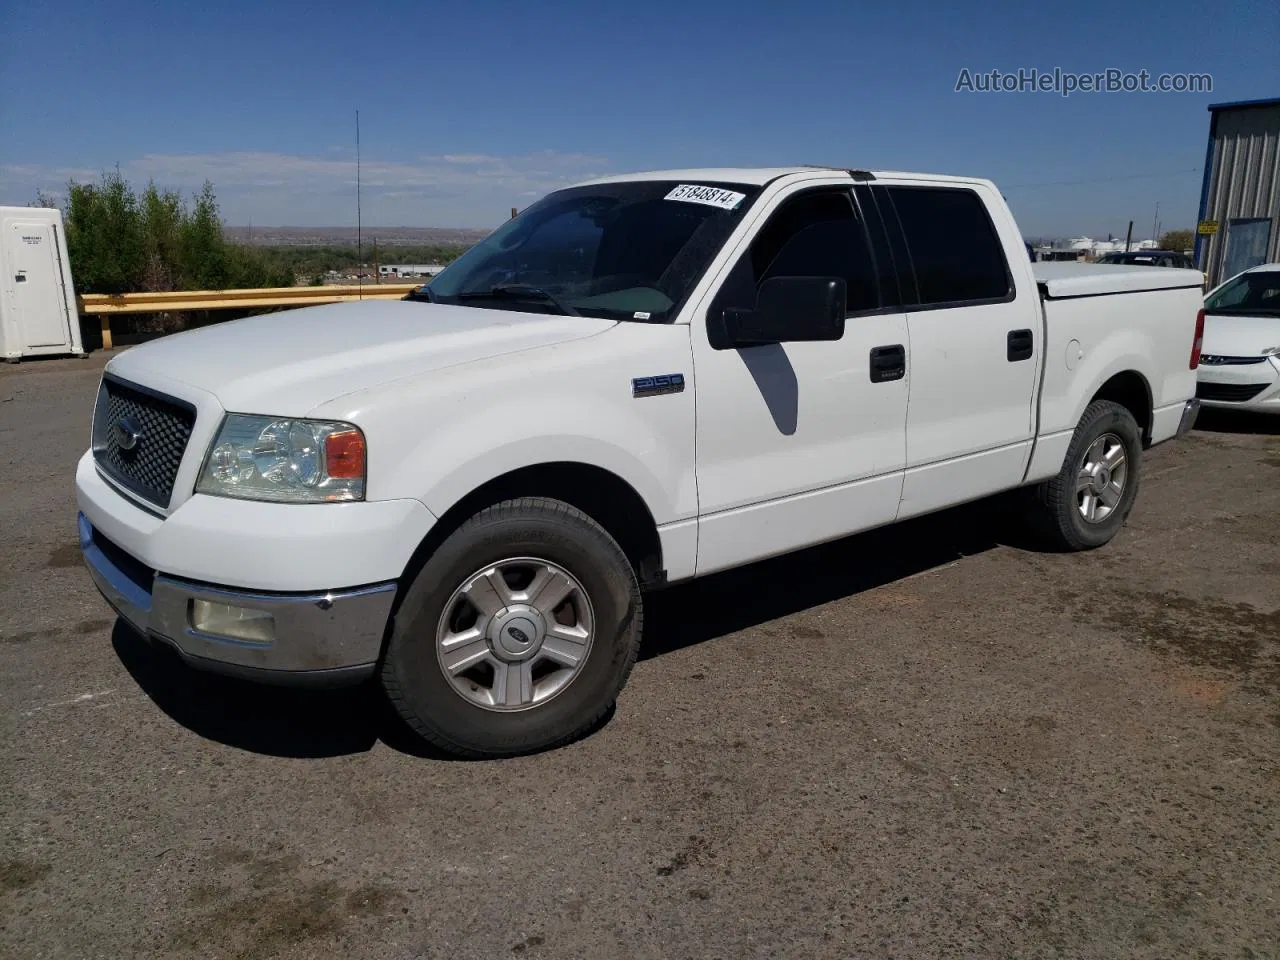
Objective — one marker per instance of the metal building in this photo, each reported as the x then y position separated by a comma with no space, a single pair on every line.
1239,224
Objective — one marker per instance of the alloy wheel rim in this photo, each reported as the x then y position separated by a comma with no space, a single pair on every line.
1101,479
515,634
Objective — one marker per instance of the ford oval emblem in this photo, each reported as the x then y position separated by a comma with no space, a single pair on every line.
518,635
128,431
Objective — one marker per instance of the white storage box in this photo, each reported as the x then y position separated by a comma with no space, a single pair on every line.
37,300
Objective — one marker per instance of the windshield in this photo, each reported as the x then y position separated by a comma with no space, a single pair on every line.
1253,293
624,251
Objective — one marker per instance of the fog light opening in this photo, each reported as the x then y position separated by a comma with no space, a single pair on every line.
232,623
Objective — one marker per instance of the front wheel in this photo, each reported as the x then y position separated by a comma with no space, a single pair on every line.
1089,500
518,633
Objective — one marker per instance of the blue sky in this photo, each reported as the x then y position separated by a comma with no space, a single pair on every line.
470,108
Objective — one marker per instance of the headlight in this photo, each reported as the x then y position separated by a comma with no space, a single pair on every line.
288,461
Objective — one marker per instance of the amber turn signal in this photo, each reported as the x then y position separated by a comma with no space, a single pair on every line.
344,455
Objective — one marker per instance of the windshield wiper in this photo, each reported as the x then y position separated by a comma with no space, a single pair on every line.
519,291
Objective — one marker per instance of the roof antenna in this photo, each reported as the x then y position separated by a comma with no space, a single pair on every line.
359,223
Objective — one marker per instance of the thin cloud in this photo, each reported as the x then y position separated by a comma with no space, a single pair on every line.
253,169
300,188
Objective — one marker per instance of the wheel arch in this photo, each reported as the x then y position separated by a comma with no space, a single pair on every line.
1131,390
599,493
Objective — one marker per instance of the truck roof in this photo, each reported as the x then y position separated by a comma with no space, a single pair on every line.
759,176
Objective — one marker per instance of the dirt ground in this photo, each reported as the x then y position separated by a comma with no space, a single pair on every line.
927,741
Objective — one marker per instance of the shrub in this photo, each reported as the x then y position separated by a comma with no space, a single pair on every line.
120,242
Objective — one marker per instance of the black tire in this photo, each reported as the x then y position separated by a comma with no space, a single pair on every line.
414,680
1056,501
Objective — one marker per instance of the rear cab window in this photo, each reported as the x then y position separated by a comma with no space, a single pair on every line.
956,254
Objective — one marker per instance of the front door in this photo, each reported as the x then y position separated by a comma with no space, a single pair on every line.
37,285
799,442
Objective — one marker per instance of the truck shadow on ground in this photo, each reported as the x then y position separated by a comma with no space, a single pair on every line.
287,722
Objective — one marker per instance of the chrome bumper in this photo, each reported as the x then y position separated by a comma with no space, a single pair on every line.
1189,414
324,639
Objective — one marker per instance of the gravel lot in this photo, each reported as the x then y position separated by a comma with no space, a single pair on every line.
927,741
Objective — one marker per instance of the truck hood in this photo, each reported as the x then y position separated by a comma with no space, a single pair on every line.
286,364
1227,335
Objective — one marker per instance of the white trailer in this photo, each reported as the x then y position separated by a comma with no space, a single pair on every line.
37,299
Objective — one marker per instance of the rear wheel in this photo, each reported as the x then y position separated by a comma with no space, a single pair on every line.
517,634
1090,499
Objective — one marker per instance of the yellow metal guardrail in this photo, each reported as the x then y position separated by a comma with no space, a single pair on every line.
106,305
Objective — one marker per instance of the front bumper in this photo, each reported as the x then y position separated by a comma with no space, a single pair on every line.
318,639
1251,386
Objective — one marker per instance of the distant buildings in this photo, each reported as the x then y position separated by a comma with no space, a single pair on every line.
388,270
1086,248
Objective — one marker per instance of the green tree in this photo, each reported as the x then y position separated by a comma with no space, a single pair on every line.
121,242
204,261
104,235
1177,240
162,218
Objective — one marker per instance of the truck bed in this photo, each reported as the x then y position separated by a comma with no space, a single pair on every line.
1061,280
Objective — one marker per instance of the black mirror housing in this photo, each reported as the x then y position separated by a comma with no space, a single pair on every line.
789,310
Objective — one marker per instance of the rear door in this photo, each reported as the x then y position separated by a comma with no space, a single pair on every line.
36,284
975,346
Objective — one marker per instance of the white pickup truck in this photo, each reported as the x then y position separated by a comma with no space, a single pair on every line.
638,380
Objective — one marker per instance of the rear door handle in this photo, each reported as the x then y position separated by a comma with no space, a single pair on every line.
1021,345
888,363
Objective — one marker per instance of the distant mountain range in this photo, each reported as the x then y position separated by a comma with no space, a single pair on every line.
346,236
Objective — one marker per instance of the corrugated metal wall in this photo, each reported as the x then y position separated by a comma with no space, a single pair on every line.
1244,179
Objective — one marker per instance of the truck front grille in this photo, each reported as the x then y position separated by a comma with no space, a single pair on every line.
139,437
1229,392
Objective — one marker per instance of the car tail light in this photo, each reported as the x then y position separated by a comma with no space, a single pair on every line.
1199,340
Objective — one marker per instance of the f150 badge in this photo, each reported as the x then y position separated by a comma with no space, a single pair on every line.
657,386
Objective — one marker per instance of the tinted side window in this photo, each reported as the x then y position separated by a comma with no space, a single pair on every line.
954,247
813,235
890,292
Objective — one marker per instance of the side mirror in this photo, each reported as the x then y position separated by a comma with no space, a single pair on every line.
789,310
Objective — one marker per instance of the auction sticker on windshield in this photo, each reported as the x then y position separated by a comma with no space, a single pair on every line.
711,196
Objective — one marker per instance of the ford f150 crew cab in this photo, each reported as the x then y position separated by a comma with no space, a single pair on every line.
638,380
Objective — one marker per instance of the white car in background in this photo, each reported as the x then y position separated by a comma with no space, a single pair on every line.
1240,359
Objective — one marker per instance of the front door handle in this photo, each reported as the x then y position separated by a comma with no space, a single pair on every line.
888,363
1021,345
20,276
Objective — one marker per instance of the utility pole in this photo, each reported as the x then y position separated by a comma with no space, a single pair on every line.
359,222
377,274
